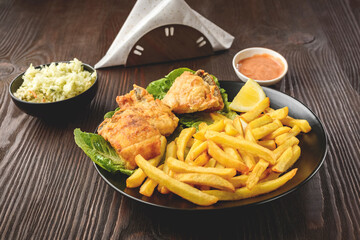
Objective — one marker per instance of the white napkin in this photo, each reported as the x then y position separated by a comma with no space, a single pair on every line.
150,14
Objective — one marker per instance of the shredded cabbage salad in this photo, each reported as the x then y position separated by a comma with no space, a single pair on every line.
55,82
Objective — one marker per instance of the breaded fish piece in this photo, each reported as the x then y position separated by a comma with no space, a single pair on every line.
194,93
153,110
130,134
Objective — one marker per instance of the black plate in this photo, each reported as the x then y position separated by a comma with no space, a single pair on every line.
313,150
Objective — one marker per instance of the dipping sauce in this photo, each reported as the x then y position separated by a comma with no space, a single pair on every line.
261,67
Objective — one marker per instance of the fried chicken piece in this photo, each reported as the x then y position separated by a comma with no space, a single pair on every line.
153,110
130,134
194,93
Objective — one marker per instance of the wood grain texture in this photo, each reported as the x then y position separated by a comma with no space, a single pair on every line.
49,189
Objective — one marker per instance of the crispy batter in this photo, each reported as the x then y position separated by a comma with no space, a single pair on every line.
130,134
136,128
153,110
193,93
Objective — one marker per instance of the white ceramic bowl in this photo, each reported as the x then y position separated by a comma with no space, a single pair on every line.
249,52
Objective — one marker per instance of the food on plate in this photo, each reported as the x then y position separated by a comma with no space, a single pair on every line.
256,110
182,189
194,92
229,157
205,179
152,110
243,152
246,182
266,129
301,123
130,134
56,82
101,152
248,96
224,158
136,179
138,125
261,67
160,88
180,166
138,110
258,189
256,173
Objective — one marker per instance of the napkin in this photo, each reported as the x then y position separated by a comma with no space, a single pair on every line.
150,14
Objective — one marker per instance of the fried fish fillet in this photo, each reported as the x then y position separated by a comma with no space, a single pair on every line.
153,110
130,134
194,93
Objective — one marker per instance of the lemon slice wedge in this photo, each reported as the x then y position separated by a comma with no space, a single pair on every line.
248,96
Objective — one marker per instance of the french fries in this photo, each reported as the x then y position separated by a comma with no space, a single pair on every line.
262,131
249,160
280,149
254,176
269,144
238,125
260,188
171,150
301,123
230,129
196,151
233,153
276,133
182,189
239,181
202,159
179,166
211,163
217,126
139,176
285,136
261,121
279,114
147,188
206,179
182,141
241,145
258,109
218,117
287,159
226,160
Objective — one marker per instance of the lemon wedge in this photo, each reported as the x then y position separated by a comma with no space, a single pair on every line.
248,96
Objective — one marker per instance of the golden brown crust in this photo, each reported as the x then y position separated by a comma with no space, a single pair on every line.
191,93
130,134
153,110
148,149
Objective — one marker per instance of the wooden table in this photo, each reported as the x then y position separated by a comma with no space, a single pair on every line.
49,189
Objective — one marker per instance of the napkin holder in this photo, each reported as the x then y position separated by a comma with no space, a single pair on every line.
169,43
164,31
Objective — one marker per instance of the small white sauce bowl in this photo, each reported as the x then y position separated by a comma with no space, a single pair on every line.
249,52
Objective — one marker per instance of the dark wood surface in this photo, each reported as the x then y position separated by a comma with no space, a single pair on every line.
49,189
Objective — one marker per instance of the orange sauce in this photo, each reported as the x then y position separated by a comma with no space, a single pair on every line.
261,67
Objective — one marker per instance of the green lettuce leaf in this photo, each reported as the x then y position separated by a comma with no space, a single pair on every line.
194,119
226,111
100,151
110,114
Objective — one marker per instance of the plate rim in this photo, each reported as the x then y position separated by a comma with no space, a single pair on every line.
212,208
